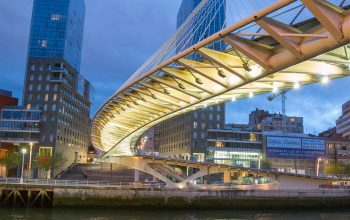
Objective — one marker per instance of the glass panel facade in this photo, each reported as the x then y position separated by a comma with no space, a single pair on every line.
57,30
20,125
210,22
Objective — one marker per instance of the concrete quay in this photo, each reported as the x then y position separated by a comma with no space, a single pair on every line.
81,196
199,199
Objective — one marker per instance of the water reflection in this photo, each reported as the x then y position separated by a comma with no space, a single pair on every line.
154,214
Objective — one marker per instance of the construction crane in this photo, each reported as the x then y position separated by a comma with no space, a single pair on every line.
281,93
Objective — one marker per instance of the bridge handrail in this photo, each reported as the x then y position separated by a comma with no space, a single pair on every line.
63,182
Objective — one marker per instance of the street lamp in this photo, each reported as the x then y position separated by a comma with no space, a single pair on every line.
24,151
30,159
318,166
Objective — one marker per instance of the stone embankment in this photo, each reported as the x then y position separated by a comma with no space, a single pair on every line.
47,196
204,199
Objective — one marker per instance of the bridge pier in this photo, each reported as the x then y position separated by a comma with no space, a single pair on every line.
227,176
137,176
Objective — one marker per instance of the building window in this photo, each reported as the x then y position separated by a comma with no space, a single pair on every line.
54,97
32,67
46,97
194,135
40,77
47,88
47,151
203,125
210,116
43,43
55,17
28,106
252,137
218,108
55,87
38,88
53,108
38,97
219,144
41,68
31,78
195,124
29,97
45,107
30,87
47,77
218,117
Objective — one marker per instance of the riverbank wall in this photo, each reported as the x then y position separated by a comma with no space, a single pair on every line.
55,196
199,199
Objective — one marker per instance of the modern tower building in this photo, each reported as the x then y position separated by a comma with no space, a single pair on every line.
343,122
53,82
184,136
203,25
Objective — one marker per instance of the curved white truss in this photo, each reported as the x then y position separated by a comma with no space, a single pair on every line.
264,54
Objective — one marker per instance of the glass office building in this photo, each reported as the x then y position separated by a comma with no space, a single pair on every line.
57,30
234,147
207,23
53,82
19,125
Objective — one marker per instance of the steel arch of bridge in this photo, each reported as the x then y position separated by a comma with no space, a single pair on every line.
275,56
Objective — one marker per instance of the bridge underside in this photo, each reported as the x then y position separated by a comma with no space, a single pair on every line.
263,54
167,171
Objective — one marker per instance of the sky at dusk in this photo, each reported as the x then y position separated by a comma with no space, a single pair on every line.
120,35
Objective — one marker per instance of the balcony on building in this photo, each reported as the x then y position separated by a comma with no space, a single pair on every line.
58,69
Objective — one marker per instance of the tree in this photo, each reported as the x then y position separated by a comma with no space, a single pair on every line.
48,162
338,169
265,165
11,161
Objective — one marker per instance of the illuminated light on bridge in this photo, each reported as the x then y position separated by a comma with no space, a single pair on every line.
289,44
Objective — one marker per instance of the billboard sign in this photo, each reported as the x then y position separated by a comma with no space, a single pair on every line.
294,147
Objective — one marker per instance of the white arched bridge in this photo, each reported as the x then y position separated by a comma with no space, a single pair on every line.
288,44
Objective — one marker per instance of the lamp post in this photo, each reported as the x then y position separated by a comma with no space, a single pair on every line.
318,166
30,159
24,151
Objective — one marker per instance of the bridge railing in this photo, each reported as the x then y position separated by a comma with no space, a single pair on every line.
59,182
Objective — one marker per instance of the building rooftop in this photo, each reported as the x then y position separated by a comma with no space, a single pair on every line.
5,93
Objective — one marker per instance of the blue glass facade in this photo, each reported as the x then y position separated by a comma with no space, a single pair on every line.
19,125
186,8
57,30
208,22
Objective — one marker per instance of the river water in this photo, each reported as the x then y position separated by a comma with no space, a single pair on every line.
157,214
